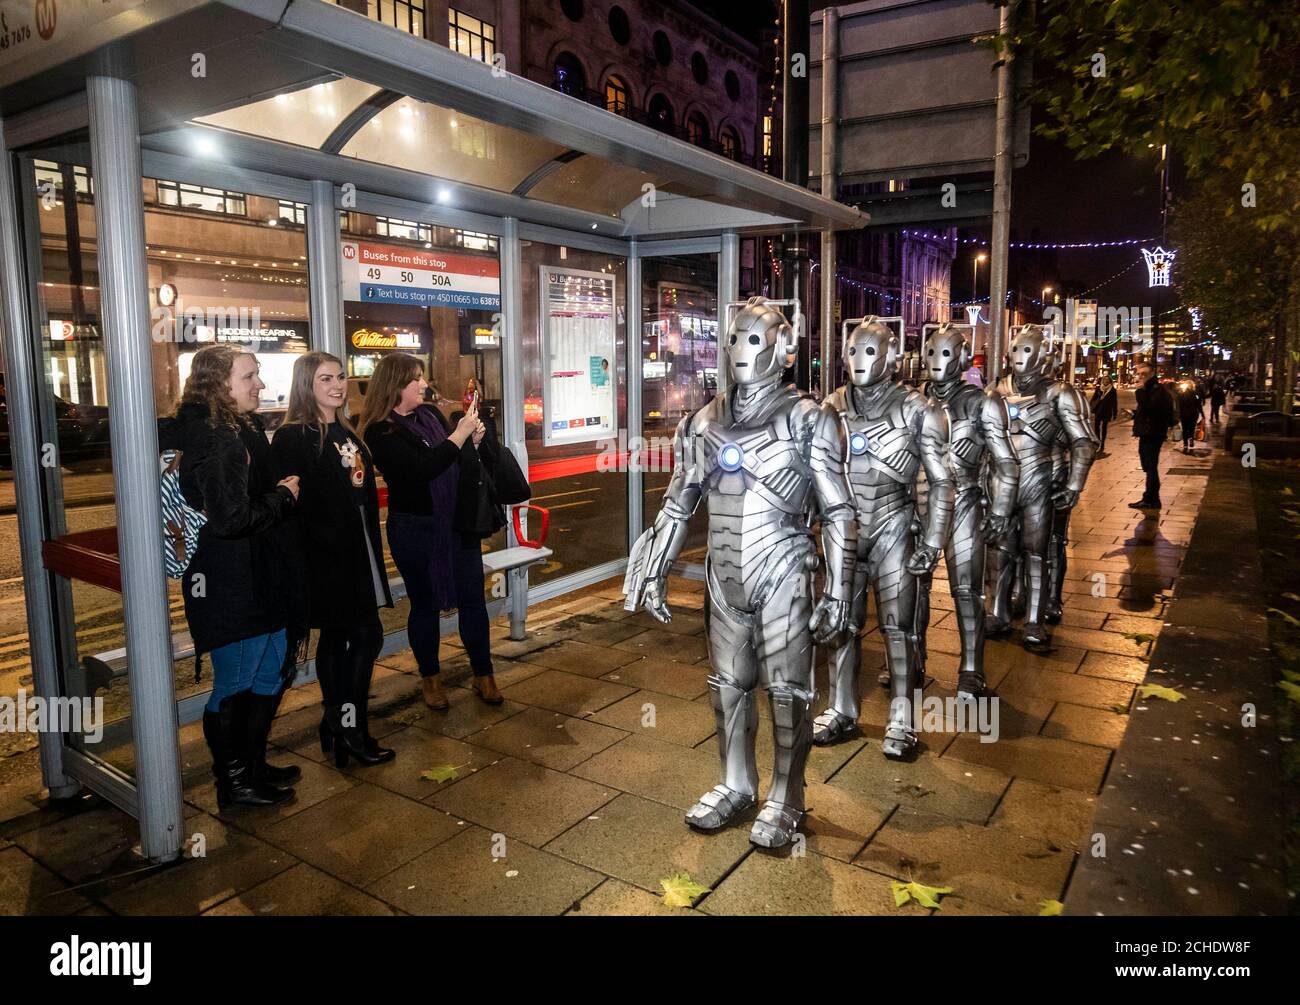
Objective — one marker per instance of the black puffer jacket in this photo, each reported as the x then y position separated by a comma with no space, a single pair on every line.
247,576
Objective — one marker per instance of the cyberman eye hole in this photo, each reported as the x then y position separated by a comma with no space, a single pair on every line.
754,340
932,352
733,340
871,350
947,352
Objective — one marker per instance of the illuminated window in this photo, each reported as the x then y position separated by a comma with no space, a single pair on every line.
51,173
406,230
767,136
730,143
405,14
471,37
474,240
210,200
293,212
616,95
697,129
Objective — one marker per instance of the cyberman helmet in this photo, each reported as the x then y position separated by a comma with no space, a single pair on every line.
871,352
1032,353
946,353
758,343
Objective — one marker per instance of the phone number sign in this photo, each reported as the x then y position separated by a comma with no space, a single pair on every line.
392,274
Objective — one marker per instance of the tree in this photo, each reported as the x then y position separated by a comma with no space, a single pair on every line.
1212,81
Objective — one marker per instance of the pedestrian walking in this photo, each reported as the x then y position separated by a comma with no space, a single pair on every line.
338,516
1151,423
1190,412
242,591
1218,398
1105,406
433,472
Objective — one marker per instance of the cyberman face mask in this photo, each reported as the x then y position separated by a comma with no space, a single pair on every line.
946,354
870,353
756,343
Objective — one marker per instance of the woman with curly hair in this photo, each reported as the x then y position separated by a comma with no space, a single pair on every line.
242,587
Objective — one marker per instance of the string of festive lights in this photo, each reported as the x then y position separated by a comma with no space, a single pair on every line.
1127,242
1121,272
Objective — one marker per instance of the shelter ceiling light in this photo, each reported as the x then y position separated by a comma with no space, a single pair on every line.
444,195
205,146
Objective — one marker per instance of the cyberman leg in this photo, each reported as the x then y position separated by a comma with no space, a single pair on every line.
1001,555
785,660
965,558
733,693
1035,533
896,591
841,715
1018,594
1056,564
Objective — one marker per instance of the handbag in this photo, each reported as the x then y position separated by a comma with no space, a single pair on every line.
1200,429
509,484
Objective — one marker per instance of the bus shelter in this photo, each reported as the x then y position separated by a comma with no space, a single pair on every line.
292,175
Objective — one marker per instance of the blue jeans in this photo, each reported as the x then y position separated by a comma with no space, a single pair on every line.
411,540
250,663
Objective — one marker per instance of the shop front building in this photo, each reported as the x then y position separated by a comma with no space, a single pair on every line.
326,182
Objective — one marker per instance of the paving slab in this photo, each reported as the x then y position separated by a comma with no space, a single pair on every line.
810,884
557,741
1079,689
673,720
653,769
523,800
1062,763
951,787
616,898
359,835
681,680
666,645
463,876
301,892
568,693
985,865
28,888
1062,817
642,842
580,658
1097,726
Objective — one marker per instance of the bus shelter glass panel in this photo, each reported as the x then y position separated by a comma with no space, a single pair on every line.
575,402
679,366
434,293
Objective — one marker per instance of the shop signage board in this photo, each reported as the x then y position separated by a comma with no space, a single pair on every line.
578,345
394,274
27,27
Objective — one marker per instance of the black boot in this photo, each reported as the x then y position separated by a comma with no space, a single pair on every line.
261,713
364,672
226,731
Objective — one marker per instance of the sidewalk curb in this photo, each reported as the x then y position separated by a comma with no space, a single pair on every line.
1191,809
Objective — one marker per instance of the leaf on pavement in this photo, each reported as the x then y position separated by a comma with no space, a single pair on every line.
440,773
926,896
1140,638
1160,691
681,891
1292,691
1049,908
1290,619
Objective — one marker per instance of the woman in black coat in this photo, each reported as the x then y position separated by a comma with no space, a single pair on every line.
242,590
338,516
433,473
1104,406
1190,406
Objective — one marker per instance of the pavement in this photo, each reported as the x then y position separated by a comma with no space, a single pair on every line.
569,798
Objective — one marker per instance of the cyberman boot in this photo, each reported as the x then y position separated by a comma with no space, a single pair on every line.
783,810
1002,576
900,734
969,607
840,719
1035,635
735,714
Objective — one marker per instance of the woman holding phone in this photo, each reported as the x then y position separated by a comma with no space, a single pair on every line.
339,519
433,471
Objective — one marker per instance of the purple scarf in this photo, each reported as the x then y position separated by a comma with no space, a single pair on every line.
442,492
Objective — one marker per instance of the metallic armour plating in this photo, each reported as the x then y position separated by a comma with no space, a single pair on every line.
765,457
1043,411
979,441
893,433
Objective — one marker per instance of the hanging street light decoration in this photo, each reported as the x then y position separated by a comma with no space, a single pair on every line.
1160,264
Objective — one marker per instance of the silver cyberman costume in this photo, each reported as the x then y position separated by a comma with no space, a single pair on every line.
978,437
1060,539
764,455
1042,410
894,432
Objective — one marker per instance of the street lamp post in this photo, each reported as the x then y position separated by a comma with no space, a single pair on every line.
975,287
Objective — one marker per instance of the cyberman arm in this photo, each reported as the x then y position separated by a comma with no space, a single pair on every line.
931,425
655,550
1073,413
1004,467
839,523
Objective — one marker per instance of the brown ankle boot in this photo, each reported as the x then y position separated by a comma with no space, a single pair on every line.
434,696
486,688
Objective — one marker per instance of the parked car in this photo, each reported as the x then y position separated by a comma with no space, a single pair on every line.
82,431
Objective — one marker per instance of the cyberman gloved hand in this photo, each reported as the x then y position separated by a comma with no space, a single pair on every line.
893,433
764,456
1044,412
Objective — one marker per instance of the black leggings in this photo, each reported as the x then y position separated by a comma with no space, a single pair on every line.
1099,426
345,661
